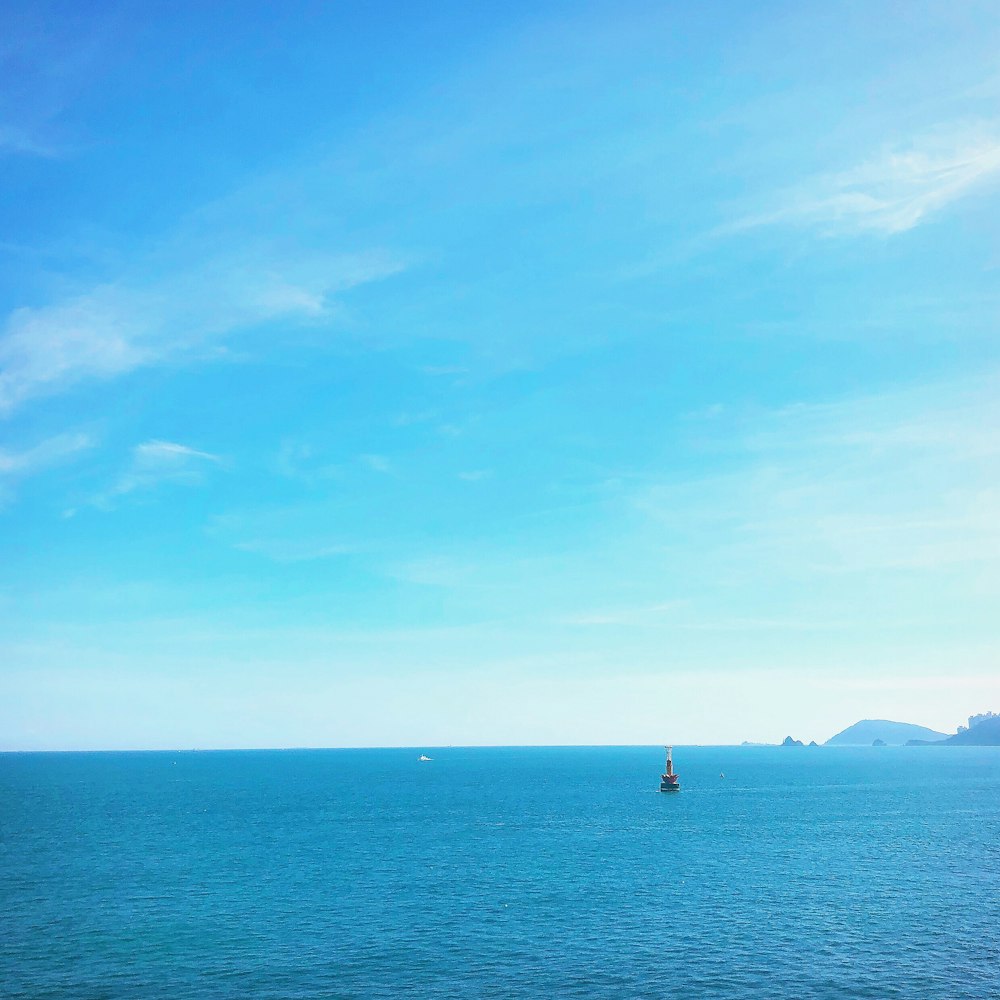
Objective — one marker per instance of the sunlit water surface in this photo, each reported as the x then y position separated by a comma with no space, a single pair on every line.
501,873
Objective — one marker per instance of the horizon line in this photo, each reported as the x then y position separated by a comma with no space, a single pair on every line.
746,745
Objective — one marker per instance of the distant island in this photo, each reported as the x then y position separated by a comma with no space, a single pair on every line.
983,730
786,742
866,732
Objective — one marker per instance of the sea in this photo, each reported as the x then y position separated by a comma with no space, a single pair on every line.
502,873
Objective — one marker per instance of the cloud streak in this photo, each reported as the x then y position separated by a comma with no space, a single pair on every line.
893,191
118,327
154,463
53,451
295,534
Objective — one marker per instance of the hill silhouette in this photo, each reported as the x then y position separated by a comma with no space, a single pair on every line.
866,732
984,734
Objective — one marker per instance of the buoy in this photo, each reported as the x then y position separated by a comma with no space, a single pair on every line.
669,781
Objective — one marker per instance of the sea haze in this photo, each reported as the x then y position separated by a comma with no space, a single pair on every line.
563,872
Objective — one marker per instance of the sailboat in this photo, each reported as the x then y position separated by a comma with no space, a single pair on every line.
669,781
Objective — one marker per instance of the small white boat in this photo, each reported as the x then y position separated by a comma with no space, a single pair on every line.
424,757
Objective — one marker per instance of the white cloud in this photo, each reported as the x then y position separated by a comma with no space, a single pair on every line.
156,454
99,335
157,462
116,328
894,190
50,452
17,465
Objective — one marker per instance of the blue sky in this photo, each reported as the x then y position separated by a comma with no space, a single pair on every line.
414,374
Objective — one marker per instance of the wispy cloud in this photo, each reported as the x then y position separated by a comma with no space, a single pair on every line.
304,462
16,465
377,463
19,142
293,534
118,327
680,616
894,190
903,481
443,370
645,614
50,452
436,571
283,550
154,463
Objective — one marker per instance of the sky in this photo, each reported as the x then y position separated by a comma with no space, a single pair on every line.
415,374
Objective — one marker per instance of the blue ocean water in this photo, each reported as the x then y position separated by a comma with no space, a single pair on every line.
515,872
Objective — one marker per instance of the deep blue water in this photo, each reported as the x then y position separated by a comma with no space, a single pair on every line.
501,873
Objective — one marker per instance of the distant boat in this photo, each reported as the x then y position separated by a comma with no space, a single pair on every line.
669,781
424,757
